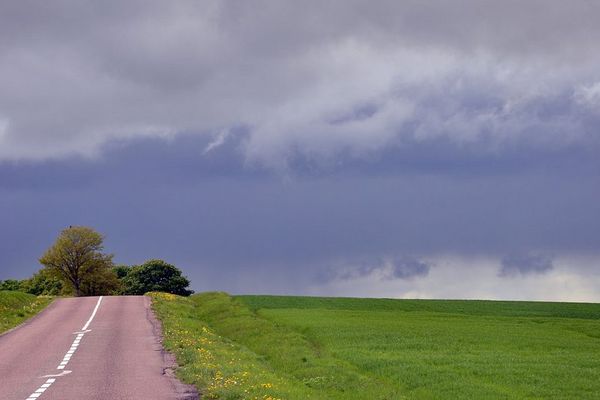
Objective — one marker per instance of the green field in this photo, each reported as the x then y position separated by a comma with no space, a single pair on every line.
256,347
16,307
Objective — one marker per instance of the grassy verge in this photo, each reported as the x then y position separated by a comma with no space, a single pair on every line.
229,352
279,347
16,307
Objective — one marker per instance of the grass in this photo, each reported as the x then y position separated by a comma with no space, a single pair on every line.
16,307
339,348
229,352
468,307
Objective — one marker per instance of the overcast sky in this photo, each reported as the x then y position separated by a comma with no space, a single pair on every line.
357,148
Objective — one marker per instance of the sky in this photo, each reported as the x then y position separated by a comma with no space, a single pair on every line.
342,148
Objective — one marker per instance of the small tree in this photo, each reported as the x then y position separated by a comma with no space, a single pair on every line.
76,257
12,284
155,276
100,282
121,270
44,282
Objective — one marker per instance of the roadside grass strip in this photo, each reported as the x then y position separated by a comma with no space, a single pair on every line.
17,307
228,352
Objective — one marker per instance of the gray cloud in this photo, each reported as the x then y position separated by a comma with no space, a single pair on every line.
384,268
406,268
75,75
241,229
571,279
524,264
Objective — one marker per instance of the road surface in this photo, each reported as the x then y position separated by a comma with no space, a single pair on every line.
88,348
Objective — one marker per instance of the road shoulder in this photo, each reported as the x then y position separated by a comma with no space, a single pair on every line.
183,391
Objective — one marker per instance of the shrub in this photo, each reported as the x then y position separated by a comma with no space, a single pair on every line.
155,276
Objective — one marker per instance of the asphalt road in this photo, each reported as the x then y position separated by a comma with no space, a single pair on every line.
88,348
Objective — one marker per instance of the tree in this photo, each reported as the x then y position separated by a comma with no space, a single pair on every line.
12,284
155,276
77,259
100,282
44,282
121,270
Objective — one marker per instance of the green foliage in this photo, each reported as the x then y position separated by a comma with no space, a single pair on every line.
101,281
121,271
13,285
15,307
77,259
45,283
155,276
42,282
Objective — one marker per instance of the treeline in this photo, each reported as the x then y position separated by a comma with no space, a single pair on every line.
77,266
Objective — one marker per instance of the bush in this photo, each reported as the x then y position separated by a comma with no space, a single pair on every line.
12,285
121,270
44,283
101,282
155,276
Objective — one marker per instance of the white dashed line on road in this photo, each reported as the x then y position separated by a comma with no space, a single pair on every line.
41,389
35,395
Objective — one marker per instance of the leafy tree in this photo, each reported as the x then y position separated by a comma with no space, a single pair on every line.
101,281
45,283
155,276
11,284
77,259
121,270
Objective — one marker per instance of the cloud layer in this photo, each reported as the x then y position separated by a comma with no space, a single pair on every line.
409,224
315,80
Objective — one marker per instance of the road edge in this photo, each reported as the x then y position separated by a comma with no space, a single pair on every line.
183,391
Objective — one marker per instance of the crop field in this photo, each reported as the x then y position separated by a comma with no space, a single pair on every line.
260,347
16,307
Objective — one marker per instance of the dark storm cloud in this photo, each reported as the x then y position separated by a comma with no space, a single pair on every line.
384,268
523,264
406,268
240,228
